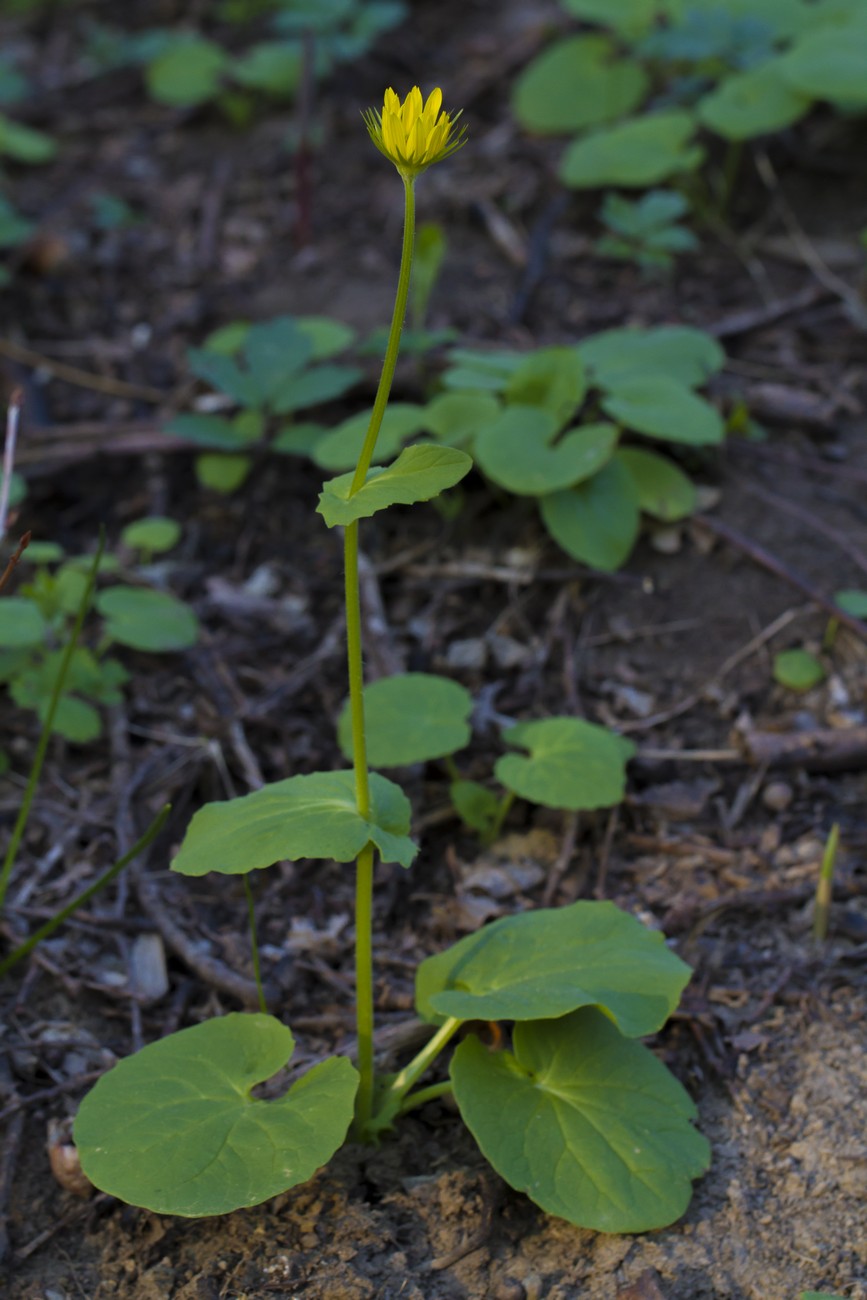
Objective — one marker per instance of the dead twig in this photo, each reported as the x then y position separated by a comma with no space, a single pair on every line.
857,556
81,378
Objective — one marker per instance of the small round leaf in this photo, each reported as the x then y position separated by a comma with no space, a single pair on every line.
798,670
147,620
572,764
410,718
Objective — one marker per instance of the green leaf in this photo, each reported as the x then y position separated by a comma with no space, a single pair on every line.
664,491
23,143
819,1295
643,151
315,385
298,439
481,371
341,448
75,720
752,103
543,964
676,351
147,620
518,451
313,816
663,408
176,1129
572,764
851,601
628,17
576,83
477,807
410,718
595,522
21,623
551,379
274,351
206,431
222,473
223,373
187,72
830,64
798,670
456,418
419,473
327,337
271,66
589,1124
153,534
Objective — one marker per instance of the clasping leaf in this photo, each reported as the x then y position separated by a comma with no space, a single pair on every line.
419,473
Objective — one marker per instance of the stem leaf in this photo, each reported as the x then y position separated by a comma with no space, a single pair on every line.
419,473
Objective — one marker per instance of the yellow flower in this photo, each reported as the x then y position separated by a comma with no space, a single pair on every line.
414,134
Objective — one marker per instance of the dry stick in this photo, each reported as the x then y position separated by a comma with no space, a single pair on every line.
742,322
14,558
13,413
856,555
689,701
81,378
780,570
564,857
811,464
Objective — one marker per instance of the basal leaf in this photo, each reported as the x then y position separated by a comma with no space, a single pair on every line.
222,473
798,670
187,72
147,620
481,371
663,408
457,417
642,151
517,450
677,351
224,373
327,336
271,66
830,64
315,385
438,710
207,431
572,764
312,816
551,379
664,491
419,473
576,83
155,534
596,522
752,103
589,1124
23,143
477,807
176,1129
21,623
629,17
341,448
275,351
543,964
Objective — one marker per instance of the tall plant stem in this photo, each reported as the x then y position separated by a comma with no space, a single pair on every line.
364,864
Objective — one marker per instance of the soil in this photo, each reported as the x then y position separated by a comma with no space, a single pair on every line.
719,851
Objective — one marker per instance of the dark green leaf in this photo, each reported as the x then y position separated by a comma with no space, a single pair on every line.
518,451
642,151
595,522
576,83
663,408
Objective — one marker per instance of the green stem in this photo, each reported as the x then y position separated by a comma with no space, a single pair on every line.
48,722
254,946
420,1098
825,886
402,1082
105,879
502,813
365,862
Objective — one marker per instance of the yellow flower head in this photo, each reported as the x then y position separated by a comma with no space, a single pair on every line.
414,134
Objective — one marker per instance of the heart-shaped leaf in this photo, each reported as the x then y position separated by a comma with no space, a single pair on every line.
187,72
222,473
576,83
147,620
830,64
589,1124
664,491
551,379
543,964
517,450
175,1128
662,408
752,103
687,355
597,521
438,709
572,764
642,151
275,351
312,816
419,473
798,670
341,448
21,623
456,418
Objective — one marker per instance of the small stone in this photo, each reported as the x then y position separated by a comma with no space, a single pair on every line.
471,653
777,795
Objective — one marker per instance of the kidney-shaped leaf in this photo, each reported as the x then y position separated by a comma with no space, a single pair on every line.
572,764
419,473
688,355
456,418
575,83
410,718
664,491
543,964
642,151
176,1130
312,816
589,1124
597,521
752,103
518,451
662,408
147,620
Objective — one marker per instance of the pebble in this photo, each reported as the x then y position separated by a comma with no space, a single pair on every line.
777,795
